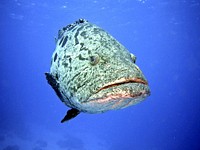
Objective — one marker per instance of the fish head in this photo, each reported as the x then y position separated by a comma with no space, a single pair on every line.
94,71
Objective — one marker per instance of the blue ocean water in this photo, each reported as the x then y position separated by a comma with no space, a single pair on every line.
165,37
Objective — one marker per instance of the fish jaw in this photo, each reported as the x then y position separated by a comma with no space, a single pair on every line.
117,95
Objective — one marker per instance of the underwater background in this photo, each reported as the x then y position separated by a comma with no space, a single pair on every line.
163,34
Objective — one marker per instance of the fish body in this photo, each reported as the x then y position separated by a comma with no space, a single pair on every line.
92,72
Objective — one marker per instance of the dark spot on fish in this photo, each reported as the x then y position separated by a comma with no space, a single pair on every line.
65,64
82,47
76,35
70,68
70,38
71,94
97,30
73,30
60,33
81,85
82,44
88,26
56,76
75,76
83,34
76,40
78,85
67,56
74,89
84,75
68,81
70,26
64,28
58,61
70,59
55,57
61,40
81,58
64,41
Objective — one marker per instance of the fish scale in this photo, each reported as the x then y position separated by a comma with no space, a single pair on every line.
92,72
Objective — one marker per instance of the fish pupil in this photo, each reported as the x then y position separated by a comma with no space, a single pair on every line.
94,59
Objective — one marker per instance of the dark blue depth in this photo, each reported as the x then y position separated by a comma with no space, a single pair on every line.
165,37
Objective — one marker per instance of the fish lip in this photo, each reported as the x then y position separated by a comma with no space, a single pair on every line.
104,101
123,81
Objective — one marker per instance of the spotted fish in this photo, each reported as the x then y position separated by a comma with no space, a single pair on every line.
92,72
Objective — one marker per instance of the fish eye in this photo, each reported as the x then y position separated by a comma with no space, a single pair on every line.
133,58
94,59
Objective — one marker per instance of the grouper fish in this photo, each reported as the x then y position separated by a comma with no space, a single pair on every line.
92,72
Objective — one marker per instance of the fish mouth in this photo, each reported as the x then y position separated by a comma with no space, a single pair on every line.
118,94
123,81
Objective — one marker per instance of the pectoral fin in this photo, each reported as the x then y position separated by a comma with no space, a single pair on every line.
54,84
70,114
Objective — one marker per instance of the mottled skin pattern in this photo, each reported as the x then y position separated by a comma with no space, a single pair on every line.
93,72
